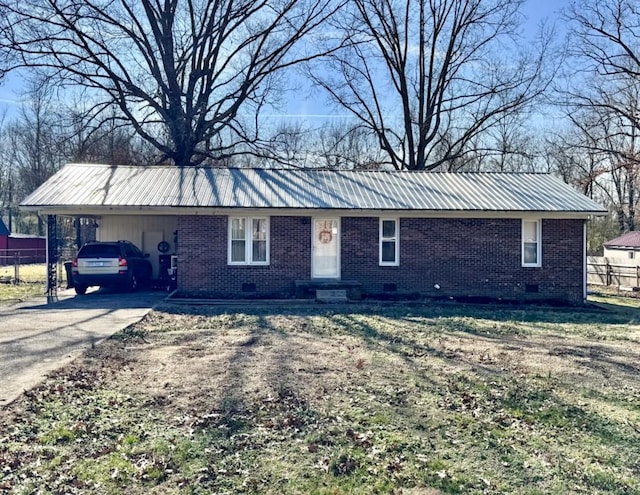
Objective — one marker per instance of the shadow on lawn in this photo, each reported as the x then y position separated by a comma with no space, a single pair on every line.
253,351
547,408
587,314
412,334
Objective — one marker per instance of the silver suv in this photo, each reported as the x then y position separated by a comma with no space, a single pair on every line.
110,264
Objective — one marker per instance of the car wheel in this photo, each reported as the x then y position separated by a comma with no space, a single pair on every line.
81,290
133,283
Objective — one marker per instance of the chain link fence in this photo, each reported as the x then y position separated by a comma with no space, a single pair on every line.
28,266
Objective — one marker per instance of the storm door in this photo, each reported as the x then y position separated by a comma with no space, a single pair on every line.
325,260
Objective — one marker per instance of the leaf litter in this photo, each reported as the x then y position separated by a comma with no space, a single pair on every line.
343,400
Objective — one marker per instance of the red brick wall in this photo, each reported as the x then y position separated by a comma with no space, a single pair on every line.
202,257
465,257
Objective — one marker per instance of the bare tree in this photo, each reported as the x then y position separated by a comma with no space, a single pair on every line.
291,143
6,175
341,145
184,73
337,145
604,103
427,77
87,139
569,158
601,155
605,36
33,139
509,145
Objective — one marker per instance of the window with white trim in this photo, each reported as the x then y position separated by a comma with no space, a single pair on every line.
248,240
389,242
531,243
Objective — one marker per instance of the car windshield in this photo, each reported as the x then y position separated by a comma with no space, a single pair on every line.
99,251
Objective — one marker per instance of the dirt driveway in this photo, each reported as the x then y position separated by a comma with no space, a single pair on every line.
37,338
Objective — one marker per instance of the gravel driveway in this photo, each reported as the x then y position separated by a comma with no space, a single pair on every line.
37,338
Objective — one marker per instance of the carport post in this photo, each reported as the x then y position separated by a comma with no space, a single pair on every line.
52,260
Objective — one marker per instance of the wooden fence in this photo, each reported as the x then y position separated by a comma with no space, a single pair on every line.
617,272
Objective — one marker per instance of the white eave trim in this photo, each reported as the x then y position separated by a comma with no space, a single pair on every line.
175,211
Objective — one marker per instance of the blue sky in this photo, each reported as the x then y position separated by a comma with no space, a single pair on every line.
314,109
534,10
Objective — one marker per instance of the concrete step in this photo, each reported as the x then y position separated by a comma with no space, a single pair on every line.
331,295
332,289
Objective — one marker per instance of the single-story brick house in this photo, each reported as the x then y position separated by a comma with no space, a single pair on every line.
626,246
266,233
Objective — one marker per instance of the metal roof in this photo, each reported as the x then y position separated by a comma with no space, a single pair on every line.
159,187
628,240
3,228
26,236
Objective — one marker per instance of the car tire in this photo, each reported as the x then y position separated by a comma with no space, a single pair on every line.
81,290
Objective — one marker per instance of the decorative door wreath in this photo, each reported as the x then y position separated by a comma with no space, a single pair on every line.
325,236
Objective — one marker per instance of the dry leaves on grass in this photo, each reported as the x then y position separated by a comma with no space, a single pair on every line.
361,400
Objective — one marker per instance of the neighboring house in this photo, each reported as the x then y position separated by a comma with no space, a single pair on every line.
21,248
626,246
266,233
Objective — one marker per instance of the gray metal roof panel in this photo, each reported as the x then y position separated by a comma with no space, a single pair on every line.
165,186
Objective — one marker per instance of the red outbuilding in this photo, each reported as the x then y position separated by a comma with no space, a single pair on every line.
21,248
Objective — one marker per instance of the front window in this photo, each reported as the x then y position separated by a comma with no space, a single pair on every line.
531,243
259,240
248,241
389,242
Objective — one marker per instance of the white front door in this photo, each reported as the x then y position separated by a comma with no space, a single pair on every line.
325,262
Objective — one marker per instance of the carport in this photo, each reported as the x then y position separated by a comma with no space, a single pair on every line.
155,234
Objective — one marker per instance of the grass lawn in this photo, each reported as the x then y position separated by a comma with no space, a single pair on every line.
11,294
32,283
339,400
